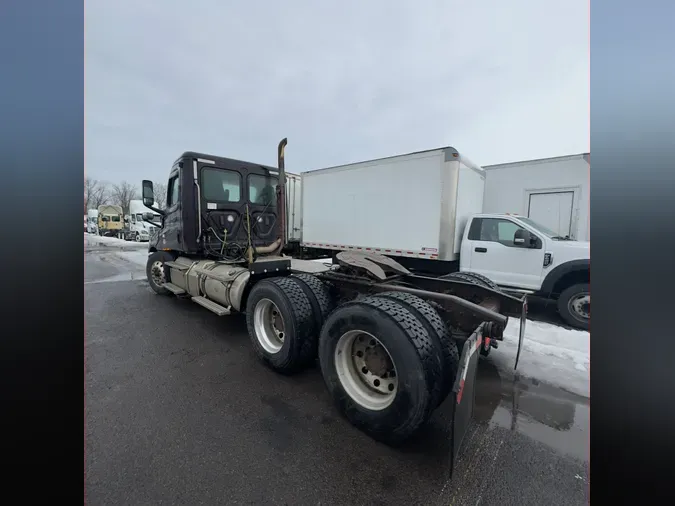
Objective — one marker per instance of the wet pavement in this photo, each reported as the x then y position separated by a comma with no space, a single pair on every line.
180,411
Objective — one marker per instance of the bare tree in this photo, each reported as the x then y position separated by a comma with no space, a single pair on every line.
122,194
96,193
160,195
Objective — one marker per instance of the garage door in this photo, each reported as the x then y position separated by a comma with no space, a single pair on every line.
553,210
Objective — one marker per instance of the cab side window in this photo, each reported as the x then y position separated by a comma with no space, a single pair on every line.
173,191
494,230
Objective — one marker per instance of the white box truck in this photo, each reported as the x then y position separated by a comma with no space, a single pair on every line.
425,210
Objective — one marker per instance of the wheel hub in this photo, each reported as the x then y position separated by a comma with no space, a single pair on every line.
270,329
366,370
581,305
157,273
377,360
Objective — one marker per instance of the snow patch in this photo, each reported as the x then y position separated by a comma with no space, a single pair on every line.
138,257
93,240
550,353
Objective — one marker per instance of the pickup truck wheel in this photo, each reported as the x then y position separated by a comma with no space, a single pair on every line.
574,306
281,324
157,272
435,327
380,366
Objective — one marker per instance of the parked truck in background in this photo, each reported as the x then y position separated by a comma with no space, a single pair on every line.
136,228
425,210
92,221
110,221
387,340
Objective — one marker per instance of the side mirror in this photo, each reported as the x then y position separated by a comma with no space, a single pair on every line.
148,193
525,239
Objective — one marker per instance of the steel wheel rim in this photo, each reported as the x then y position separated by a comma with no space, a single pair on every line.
580,306
269,326
355,354
157,273
138,237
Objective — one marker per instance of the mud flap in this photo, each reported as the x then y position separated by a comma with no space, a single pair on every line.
521,336
464,393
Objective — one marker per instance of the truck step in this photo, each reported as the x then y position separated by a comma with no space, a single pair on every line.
176,290
176,265
211,306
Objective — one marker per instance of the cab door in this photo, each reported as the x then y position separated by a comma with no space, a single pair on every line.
493,253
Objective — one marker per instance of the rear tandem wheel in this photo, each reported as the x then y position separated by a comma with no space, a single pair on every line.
281,324
380,366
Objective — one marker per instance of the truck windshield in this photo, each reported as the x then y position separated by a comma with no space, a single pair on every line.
540,228
262,189
105,218
116,218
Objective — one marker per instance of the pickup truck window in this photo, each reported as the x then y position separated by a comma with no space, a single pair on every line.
221,185
494,230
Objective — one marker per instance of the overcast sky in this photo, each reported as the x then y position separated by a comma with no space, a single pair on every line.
344,81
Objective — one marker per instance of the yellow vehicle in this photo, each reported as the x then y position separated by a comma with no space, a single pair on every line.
110,221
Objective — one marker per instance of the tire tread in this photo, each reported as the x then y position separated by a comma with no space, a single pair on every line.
449,357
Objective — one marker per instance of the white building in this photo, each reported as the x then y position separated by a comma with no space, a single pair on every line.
551,191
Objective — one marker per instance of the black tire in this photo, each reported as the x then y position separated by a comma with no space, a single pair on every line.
480,280
299,342
472,277
414,356
449,356
319,296
137,237
565,301
159,257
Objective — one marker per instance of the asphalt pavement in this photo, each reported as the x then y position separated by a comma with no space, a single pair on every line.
178,410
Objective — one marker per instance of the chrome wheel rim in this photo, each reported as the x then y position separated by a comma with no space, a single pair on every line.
366,370
270,330
157,273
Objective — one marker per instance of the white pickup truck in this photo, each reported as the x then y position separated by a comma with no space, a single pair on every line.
525,257
424,209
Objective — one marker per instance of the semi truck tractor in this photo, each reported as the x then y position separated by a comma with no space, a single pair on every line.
92,221
424,210
136,228
110,221
392,345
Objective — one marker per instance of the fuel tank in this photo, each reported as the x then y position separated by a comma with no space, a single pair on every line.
218,281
